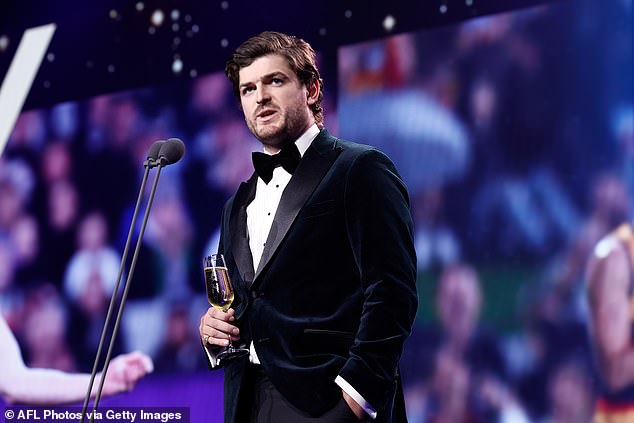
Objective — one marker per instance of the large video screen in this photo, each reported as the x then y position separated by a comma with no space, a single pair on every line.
514,133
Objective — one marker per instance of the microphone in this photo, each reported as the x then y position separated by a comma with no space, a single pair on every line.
162,153
171,151
153,154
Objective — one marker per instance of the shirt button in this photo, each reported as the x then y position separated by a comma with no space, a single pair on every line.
254,294
269,214
277,186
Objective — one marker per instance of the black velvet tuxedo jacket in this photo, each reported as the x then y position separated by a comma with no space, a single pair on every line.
335,290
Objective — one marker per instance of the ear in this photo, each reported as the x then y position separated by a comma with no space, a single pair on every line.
312,92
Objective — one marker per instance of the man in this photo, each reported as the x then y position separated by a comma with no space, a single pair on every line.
610,279
21,384
320,252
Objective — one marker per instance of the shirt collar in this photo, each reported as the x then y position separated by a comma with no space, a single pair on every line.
305,140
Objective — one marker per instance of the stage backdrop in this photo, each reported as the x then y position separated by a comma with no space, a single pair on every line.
514,133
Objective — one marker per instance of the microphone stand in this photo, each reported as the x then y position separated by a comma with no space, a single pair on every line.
148,164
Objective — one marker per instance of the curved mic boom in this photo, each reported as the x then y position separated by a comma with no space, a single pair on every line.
161,153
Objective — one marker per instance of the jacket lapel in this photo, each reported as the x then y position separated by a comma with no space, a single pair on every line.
316,161
238,229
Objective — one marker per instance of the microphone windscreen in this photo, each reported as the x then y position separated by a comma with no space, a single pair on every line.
153,152
172,151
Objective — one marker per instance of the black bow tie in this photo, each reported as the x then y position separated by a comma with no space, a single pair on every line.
264,164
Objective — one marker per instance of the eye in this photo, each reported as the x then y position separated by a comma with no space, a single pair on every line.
247,90
277,81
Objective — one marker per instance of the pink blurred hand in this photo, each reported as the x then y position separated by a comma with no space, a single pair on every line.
125,371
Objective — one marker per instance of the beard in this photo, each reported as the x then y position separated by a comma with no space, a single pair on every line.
286,126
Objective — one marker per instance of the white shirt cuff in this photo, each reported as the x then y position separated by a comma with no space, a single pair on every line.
348,389
253,356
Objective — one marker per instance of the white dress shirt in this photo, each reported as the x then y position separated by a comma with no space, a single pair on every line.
260,215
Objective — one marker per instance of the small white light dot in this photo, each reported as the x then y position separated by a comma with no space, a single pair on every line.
151,30
469,2
389,22
224,43
188,18
47,84
224,5
50,57
348,13
176,41
322,31
4,43
175,14
175,27
193,73
157,17
177,65
140,6
111,68
443,8
114,14
195,28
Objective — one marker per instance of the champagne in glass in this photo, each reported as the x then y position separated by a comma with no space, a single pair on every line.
219,290
220,295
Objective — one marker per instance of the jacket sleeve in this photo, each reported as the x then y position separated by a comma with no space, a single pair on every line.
380,232
210,350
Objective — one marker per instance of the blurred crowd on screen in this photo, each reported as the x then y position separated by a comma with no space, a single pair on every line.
68,187
514,133
528,118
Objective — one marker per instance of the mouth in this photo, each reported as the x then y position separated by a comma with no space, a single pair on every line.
264,114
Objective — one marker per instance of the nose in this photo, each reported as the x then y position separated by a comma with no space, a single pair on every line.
262,94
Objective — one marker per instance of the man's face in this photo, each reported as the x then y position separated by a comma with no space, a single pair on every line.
275,103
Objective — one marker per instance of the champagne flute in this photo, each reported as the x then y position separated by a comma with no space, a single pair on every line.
220,295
